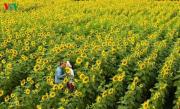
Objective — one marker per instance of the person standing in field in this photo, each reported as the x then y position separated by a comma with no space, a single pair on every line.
70,74
59,76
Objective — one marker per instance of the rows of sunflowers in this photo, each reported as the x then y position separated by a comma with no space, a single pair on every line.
126,54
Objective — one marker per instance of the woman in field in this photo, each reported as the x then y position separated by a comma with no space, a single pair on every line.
59,76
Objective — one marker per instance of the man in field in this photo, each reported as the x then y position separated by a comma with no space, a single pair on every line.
59,76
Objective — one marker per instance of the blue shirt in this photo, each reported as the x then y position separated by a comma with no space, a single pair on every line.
59,76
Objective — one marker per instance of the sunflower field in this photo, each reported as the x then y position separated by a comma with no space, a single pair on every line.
126,54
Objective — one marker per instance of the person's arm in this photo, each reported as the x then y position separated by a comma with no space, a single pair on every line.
59,73
72,73
62,76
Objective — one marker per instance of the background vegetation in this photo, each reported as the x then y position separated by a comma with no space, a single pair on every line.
126,54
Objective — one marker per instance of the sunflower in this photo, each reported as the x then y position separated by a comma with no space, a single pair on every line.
17,103
98,99
156,95
115,78
141,85
49,67
98,62
105,93
78,61
52,94
83,55
164,73
24,58
111,91
63,100
154,55
33,43
51,82
60,86
37,85
1,55
16,98
37,68
1,92
77,93
31,82
167,67
113,50
133,86
67,70
61,107
85,79
9,66
121,76
26,43
27,91
170,62
23,82
48,77
103,53
136,79
14,53
45,61
66,91
6,99
87,65
12,95
65,80
55,87
39,60
3,61
29,79
163,86
27,48
124,62
146,105
44,97
39,107
82,76
76,81
142,66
